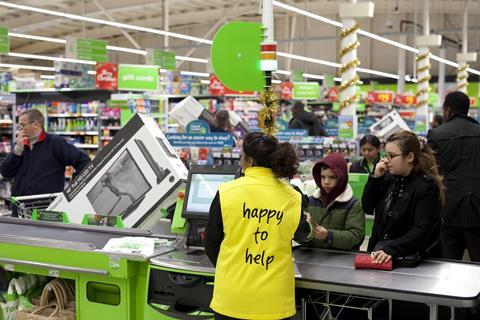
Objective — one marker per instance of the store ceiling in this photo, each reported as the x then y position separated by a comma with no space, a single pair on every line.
186,16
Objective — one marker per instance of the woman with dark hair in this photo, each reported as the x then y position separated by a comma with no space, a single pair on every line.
370,147
252,222
222,122
406,193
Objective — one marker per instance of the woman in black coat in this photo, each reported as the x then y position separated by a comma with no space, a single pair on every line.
406,195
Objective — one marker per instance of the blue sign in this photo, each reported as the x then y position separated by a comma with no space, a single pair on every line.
286,135
331,126
282,125
210,140
198,127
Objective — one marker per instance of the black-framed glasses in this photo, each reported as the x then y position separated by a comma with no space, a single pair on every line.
390,156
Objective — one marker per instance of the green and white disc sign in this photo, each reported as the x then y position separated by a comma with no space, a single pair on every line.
306,90
137,77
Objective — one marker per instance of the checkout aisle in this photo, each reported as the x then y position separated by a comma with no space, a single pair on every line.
176,281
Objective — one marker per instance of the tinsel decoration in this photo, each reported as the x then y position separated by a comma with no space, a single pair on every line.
268,113
423,91
422,69
349,31
352,64
422,56
424,79
462,76
349,83
347,102
352,46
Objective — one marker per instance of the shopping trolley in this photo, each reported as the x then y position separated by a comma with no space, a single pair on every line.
26,205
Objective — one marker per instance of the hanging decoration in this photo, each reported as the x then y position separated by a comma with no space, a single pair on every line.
423,76
462,77
347,54
268,113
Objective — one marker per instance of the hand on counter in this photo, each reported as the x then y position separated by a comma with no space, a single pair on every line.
380,257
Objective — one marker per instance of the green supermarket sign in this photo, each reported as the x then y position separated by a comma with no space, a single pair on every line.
137,77
306,90
4,42
165,59
87,49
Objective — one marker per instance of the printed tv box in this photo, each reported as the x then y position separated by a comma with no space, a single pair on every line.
134,176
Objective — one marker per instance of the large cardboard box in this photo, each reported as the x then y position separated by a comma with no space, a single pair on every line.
135,175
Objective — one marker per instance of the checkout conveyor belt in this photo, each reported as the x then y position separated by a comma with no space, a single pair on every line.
62,235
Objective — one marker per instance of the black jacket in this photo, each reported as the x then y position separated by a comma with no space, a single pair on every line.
309,121
457,146
361,166
407,213
42,169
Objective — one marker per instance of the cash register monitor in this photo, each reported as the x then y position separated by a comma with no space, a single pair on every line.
202,185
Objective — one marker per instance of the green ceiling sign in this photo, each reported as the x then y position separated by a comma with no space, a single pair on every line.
137,77
4,42
306,90
235,55
165,59
87,49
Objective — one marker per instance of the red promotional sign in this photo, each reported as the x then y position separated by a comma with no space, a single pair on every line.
405,100
332,94
216,87
380,97
286,90
107,76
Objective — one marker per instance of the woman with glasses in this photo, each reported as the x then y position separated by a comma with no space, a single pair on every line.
406,194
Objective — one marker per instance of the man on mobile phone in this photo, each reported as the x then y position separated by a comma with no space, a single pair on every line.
38,159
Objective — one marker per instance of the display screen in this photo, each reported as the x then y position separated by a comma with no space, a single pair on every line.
202,190
121,189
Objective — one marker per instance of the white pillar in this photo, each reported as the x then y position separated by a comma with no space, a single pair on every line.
462,74
441,76
401,66
166,23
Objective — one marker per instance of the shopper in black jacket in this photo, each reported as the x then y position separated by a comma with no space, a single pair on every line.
306,120
457,145
38,160
370,147
406,195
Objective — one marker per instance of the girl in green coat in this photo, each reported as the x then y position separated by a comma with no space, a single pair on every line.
336,215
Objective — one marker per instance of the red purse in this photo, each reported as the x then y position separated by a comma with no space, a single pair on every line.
364,261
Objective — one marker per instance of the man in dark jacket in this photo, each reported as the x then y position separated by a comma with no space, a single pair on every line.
38,160
306,120
457,145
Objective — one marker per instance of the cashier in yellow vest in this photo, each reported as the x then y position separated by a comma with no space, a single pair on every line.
252,222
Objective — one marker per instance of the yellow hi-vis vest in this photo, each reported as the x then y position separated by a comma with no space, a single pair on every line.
254,276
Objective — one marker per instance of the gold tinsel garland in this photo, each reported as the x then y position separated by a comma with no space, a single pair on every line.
349,31
267,115
344,85
463,68
422,69
424,79
422,56
351,64
352,46
460,78
423,91
347,102
421,103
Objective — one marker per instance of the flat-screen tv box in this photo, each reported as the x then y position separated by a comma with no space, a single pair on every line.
134,176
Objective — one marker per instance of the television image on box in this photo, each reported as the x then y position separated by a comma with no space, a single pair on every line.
121,189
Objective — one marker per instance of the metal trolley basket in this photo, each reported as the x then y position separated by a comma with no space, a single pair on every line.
25,205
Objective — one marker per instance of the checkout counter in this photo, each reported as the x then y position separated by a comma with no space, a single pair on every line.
176,282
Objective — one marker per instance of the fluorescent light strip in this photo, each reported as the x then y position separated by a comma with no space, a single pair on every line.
128,50
276,81
191,59
197,74
23,66
369,34
92,72
379,73
40,57
308,14
285,72
105,22
317,61
46,77
28,36
205,81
